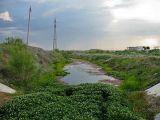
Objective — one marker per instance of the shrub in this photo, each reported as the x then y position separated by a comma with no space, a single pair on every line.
82,102
18,60
21,62
22,65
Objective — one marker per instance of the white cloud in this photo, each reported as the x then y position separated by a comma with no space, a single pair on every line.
112,3
5,16
149,41
147,10
115,21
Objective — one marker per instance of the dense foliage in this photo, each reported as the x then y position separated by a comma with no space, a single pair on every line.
32,69
82,102
17,61
27,67
138,70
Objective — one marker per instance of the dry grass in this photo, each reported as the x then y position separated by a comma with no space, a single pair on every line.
154,103
4,97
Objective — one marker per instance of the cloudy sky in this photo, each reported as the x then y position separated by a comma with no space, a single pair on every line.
83,24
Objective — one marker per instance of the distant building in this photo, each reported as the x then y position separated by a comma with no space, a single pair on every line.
139,48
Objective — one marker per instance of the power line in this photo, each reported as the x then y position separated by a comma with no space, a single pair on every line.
55,35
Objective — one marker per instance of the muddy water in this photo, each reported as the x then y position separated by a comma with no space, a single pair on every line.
83,72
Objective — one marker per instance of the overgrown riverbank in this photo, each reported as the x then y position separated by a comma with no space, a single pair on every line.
26,68
137,70
33,72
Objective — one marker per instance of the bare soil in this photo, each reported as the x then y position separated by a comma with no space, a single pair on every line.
113,82
4,97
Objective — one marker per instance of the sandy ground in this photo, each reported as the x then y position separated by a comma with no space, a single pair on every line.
112,82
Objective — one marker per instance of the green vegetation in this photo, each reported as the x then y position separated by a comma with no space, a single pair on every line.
24,68
82,102
142,105
33,72
138,70
18,62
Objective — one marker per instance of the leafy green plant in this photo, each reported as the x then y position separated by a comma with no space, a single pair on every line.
82,102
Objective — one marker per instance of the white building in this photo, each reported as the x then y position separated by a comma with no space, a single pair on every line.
138,48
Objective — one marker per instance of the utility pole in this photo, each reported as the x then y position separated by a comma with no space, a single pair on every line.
55,36
29,24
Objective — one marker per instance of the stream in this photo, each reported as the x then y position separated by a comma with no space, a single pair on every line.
84,72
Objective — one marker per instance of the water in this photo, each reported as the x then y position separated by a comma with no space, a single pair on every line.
82,72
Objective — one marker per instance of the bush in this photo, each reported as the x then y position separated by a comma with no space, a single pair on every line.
18,61
82,102
27,67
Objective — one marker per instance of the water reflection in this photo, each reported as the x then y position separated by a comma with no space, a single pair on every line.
83,72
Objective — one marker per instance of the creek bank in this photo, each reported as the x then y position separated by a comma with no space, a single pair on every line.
112,82
154,93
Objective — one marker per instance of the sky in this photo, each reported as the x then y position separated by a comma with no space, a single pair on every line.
83,24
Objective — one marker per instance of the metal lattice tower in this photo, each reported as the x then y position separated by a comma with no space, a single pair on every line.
55,36
29,24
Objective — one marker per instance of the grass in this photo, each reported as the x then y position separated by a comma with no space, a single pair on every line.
138,73
137,69
131,84
146,106
18,62
22,68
